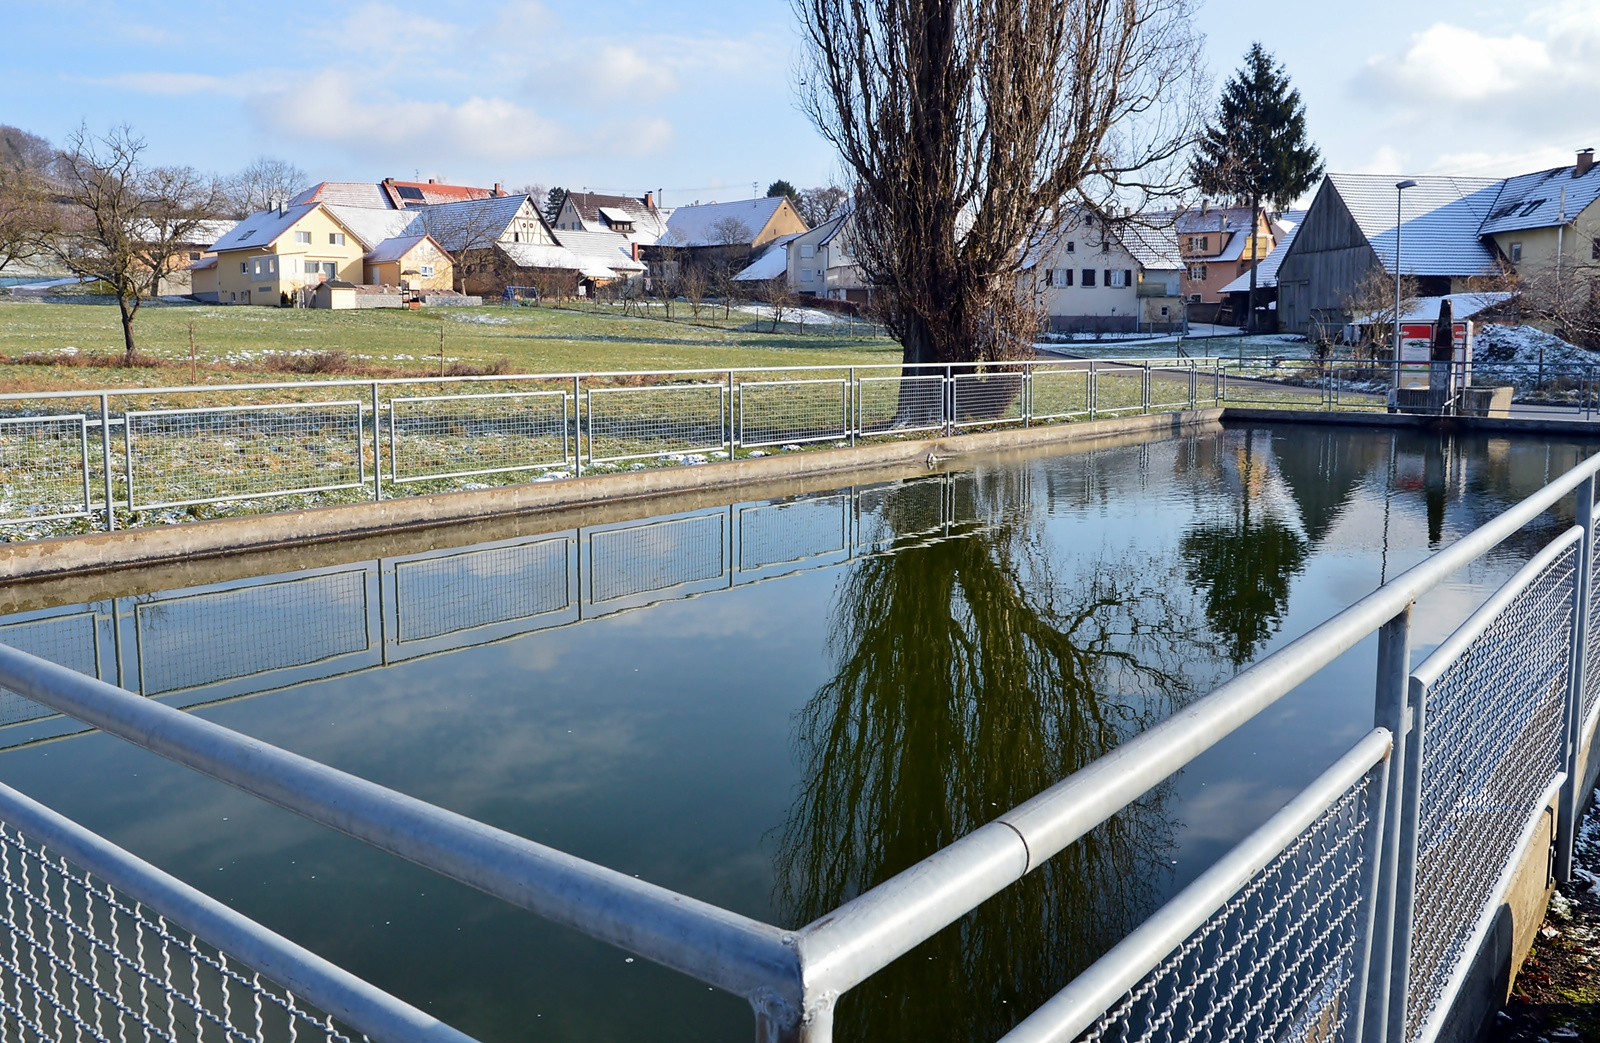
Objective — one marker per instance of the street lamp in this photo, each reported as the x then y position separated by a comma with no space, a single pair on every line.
1399,197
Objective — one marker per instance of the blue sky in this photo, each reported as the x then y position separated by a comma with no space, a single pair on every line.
695,98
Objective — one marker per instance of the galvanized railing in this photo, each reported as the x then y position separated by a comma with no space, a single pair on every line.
1352,914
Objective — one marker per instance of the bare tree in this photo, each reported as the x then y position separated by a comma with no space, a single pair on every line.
263,185
730,231
719,279
535,191
692,283
26,216
777,295
1371,307
122,223
819,205
966,126
468,231
1566,298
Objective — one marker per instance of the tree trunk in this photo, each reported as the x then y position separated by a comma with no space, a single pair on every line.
1255,253
129,350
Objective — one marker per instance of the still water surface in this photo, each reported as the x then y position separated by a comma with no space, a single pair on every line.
773,706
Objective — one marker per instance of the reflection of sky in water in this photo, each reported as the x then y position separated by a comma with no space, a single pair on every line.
670,741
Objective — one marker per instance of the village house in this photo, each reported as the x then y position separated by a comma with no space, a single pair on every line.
1236,294
416,263
1096,276
819,262
636,219
270,256
726,234
1217,244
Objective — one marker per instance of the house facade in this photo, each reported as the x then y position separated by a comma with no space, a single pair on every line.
819,263
726,234
270,256
1096,276
635,218
416,263
1217,245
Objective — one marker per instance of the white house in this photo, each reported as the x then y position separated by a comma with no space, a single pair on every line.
1095,276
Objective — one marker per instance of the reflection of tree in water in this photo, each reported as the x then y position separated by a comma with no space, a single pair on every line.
969,678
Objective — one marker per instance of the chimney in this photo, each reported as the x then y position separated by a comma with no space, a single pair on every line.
1585,162
635,251
649,200
497,189
430,181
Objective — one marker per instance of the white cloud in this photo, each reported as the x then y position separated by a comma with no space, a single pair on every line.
166,83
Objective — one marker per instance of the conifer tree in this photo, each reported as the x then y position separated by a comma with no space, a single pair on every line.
1255,149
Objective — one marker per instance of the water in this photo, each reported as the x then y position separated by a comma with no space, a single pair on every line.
770,705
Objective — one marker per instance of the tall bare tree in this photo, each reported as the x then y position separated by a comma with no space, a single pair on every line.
263,185
966,126
121,223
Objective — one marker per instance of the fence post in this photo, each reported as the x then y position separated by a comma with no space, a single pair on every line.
577,429
728,414
1144,389
1092,389
949,400
1027,394
105,459
852,407
1572,795
377,464
1383,997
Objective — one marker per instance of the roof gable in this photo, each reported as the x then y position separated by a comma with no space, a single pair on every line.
262,228
696,225
1442,217
1542,200
371,227
473,222
395,249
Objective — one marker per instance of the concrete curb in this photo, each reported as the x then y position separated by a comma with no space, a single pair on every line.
70,555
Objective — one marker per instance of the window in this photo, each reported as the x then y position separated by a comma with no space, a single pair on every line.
335,238
1163,312
516,237
244,268
264,289
808,251
1197,272
1072,247
193,256
304,238
1058,276
1127,276
330,269
1516,252
425,269
311,268
805,275
272,265
1088,278
1049,277
1116,278
247,235
1105,246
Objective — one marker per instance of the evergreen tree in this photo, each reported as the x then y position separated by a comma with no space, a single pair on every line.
1256,147
781,187
554,200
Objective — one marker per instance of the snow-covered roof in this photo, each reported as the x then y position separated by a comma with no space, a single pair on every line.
1535,200
1463,306
771,263
393,249
454,225
1155,247
694,225
601,248
616,215
203,263
1442,219
345,193
595,210
372,226
262,228
1267,268
541,255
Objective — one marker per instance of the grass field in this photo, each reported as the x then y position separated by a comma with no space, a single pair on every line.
234,344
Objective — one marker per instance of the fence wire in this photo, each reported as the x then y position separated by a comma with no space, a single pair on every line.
1591,667
1059,394
438,596
80,962
644,558
777,412
44,468
988,398
667,419
1278,961
1491,746
69,641
201,639
177,457
892,405
780,533
457,436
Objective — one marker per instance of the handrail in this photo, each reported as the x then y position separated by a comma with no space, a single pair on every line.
843,948
334,990
721,948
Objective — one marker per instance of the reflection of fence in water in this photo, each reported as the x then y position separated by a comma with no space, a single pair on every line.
780,533
70,641
456,436
628,423
44,468
437,596
643,558
200,639
780,411
187,456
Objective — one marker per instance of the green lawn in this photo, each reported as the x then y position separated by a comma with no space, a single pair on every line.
236,343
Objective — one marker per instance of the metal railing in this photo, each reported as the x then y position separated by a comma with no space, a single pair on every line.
1353,914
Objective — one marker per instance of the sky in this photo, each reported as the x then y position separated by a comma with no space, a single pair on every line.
695,97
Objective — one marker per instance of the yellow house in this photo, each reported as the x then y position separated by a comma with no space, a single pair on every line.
411,262
1549,222
270,256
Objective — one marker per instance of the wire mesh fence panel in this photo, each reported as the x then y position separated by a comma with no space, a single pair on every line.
44,468
781,411
665,420
891,405
1118,389
1278,961
1058,394
81,962
1490,747
644,558
457,436
1591,673
1169,389
70,641
200,639
780,533
438,596
987,398
188,456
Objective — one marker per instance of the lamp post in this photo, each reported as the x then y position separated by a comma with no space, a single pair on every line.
1399,199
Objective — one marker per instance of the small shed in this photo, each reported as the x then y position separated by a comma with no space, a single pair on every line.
335,294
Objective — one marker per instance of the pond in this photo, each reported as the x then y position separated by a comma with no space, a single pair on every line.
771,705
